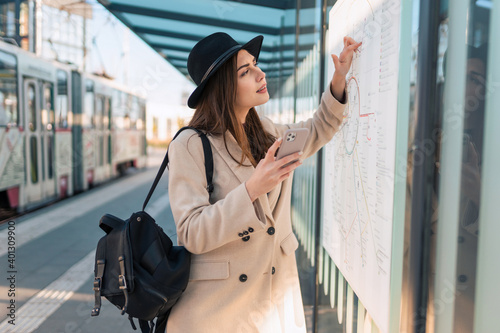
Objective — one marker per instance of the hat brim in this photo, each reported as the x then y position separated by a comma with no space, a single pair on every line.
253,47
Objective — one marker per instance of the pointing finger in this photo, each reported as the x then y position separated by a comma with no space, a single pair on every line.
349,41
355,46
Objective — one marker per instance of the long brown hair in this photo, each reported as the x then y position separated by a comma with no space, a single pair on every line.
215,115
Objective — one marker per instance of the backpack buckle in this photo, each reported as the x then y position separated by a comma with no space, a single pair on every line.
97,284
122,282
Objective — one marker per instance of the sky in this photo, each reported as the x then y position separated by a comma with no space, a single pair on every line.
124,56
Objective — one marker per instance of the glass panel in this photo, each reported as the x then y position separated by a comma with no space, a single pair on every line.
122,104
32,121
101,150
42,157
50,156
48,108
8,19
472,156
98,116
487,292
106,113
62,104
8,89
88,113
108,126
34,159
99,111
134,111
24,24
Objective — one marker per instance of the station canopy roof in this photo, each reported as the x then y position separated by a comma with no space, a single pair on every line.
172,28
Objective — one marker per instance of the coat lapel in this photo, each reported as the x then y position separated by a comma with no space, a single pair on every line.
243,173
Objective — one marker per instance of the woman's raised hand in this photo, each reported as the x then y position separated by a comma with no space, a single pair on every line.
343,62
271,172
342,65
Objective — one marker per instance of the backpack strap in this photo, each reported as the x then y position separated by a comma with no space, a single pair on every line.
161,324
100,264
144,324
209,164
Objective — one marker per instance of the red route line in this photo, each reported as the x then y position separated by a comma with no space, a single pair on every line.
359,109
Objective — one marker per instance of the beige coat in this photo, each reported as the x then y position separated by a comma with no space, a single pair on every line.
243,272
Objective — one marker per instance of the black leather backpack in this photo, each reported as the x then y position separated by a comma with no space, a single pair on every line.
137,268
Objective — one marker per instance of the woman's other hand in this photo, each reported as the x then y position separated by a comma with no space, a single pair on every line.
342,65
271,172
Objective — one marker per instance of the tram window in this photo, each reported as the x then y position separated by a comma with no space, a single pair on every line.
34,159
106,112
7,19
50,156
32,123
121,110
99,112
8,90
134,111
109,113
48,108
62,102
24,23
89,116
142,116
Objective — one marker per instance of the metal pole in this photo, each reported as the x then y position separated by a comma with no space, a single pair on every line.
319,169
280,64
296,58
424,168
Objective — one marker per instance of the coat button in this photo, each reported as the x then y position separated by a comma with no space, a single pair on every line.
462,278
245,239
243,277
250,229
273,270
241,234
245,232
271,231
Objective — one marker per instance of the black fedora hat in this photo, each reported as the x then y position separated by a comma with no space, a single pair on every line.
209,54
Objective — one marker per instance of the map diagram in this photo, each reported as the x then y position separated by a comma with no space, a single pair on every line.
359,161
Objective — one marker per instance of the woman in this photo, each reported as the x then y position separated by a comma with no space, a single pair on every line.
243,272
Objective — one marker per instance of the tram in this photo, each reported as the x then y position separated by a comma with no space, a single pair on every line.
62,131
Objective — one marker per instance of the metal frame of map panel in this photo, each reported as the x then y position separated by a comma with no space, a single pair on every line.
451,157
488,270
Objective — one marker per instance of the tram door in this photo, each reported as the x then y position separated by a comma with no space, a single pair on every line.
48,140
40,180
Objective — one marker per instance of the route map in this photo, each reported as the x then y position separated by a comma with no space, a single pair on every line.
359,161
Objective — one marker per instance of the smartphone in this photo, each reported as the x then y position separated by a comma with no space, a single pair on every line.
294,141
